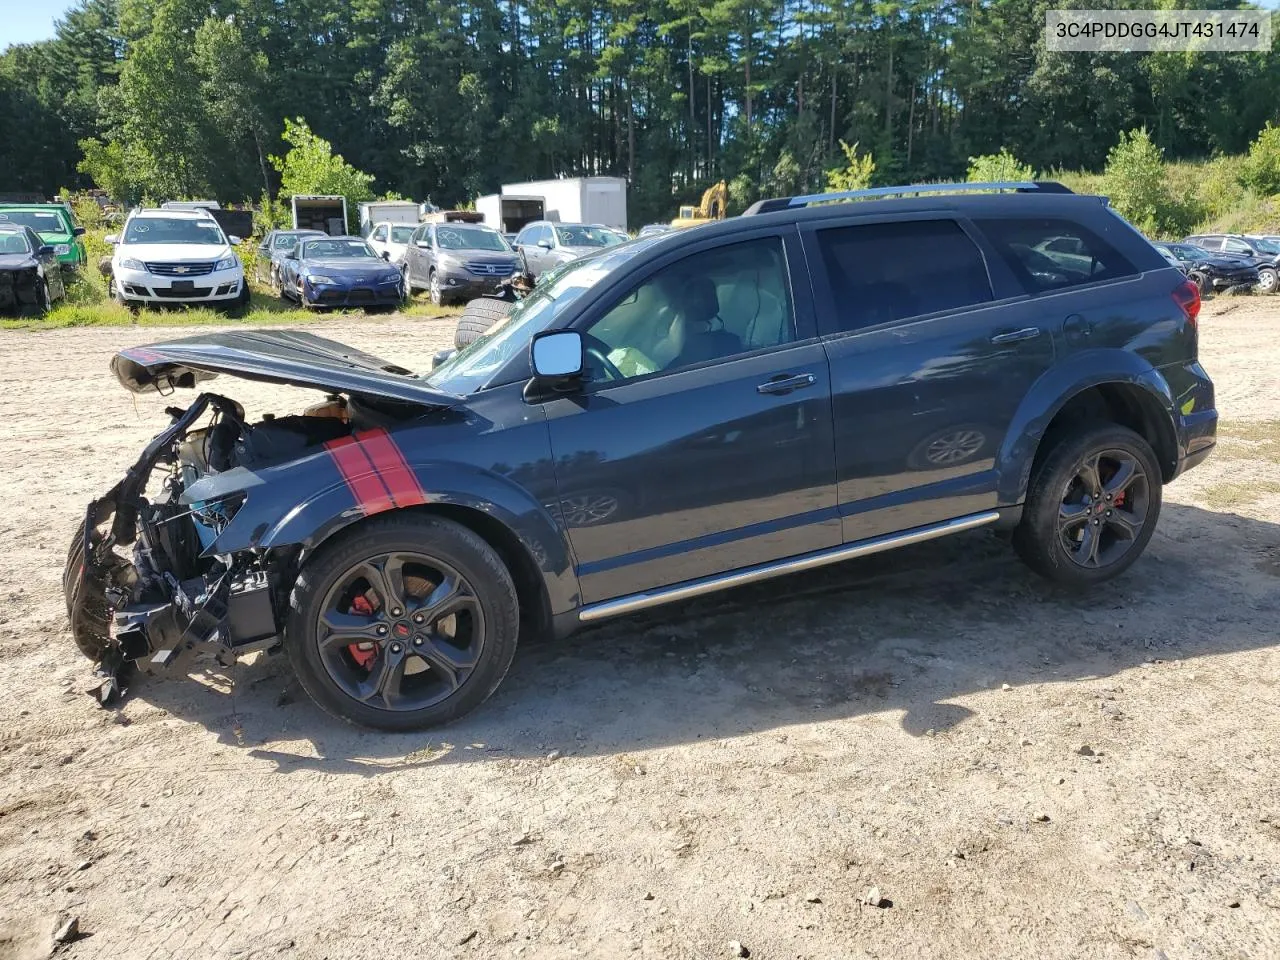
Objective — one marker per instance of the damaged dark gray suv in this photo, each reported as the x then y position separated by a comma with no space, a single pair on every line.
669,417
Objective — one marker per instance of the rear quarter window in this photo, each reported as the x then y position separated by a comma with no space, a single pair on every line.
1050,254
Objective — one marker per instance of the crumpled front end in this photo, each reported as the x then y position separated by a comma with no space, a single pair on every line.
141,583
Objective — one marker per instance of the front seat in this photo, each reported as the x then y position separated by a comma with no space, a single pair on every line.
702,331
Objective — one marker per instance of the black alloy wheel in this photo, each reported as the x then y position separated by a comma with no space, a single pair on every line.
402,622
1091,506
400,631
1104,508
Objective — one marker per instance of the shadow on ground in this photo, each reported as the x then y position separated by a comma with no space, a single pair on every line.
906,631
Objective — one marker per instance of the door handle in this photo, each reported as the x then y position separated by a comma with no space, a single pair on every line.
1013,336
786,382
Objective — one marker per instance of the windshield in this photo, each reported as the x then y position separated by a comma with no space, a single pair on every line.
41,221
470,238
336,249
165,230
470,369
14,242
1189,251
577,235
402,234
1266,246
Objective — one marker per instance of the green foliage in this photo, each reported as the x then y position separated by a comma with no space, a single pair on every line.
1135,182
311,166
1002,166
442,101
1261,167
857,172
271,214
107,165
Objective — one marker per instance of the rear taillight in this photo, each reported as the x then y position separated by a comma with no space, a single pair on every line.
1187,296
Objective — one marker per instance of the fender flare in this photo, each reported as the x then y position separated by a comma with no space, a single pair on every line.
325,510
1056,388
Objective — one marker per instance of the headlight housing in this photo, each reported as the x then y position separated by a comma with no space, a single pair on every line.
62,249
317,278
226,263
390,278
131,264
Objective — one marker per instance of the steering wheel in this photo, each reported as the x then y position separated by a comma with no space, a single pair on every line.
599,367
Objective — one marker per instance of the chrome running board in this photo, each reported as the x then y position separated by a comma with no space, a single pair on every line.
778,568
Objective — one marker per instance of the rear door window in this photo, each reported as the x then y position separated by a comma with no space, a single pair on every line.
1048,254
1210,243
883,272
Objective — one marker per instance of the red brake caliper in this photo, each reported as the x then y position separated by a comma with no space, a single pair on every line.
362,653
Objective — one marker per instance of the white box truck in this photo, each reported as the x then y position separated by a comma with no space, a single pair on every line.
314,212
387,211
507,213
574,200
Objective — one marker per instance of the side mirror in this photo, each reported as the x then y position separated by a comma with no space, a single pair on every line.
386,255
441,357
112,238
234,241
545,244
557,354
46,251
78,232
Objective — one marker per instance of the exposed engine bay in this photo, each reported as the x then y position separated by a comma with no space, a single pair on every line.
145,581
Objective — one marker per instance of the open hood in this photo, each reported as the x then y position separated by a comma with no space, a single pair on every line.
272,356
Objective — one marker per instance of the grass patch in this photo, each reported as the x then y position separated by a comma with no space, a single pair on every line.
263,310
1250,440
1226,496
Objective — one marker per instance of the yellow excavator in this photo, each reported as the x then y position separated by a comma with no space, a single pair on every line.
712,207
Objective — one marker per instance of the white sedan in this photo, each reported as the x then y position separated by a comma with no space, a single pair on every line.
391,240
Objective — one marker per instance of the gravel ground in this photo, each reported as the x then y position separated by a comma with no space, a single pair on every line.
1020,772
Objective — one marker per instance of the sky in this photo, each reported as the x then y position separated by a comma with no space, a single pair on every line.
23,21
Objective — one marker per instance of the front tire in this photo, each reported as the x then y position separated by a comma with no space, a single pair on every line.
1092,505
437,292
43,298
406,622
1267,280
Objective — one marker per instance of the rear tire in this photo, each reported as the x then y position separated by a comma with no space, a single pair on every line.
1092,505
480,314
474,647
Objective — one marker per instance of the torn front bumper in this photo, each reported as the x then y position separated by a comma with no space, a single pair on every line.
165,600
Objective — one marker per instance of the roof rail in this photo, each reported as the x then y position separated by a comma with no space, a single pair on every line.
791,203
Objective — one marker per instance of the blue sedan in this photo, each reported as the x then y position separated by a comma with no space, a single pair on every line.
339,272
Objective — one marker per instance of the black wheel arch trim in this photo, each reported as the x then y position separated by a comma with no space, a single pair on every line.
298,505
1059,385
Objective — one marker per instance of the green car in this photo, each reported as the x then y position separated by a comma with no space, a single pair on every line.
54,225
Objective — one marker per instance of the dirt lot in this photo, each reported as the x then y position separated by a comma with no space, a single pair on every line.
742,768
